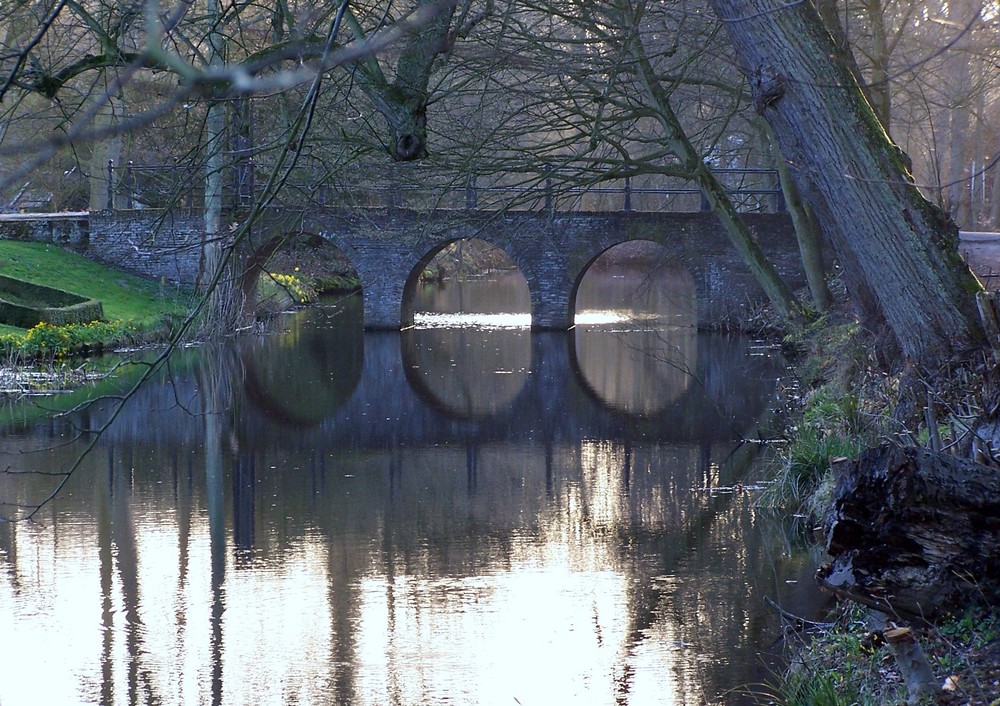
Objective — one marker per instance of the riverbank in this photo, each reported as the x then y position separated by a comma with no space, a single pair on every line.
47,358
848,404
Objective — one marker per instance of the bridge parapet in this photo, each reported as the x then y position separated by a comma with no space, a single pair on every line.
65,228
132,186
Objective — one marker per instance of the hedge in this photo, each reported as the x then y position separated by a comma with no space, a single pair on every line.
25,304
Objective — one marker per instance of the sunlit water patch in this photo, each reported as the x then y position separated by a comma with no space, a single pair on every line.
472,320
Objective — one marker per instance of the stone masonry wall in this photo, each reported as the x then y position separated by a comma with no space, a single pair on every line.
71,229
155,244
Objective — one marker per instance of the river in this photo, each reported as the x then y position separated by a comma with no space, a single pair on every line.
462,513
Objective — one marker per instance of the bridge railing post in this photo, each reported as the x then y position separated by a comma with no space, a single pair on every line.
111,185
129,203
628,194
549,202
471,197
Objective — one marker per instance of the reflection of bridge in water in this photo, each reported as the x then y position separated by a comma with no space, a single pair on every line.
332,459
554,405
346,398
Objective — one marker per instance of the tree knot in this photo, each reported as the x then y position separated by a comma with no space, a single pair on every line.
409,147
767,86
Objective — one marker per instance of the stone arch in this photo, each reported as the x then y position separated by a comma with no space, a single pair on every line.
666,261
256,262
423,268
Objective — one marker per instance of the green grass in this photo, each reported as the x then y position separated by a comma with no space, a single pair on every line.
141,303
830,427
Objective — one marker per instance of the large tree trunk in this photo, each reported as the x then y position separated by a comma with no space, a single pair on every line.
914,531
904,248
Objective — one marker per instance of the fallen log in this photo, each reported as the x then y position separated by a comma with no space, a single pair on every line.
913,531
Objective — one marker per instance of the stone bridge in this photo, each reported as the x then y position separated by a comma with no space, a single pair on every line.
552,250
389,247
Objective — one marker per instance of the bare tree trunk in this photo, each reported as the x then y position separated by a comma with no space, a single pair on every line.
959,193
830,14
211,280
212,244
904,247
960,113
107,149
994,218
878,88
403,102
807,230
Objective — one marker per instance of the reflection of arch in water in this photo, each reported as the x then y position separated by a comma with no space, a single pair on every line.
296,379
471,262
634,345
638,372
466,373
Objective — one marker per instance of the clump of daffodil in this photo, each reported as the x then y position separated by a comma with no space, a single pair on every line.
300,291
46,340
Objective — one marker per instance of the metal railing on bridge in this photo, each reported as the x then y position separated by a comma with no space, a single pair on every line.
133,186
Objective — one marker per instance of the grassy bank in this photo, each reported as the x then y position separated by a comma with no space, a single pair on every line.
135,309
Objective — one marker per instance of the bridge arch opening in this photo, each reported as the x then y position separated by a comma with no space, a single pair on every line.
466,342
280,273
466,282
634,340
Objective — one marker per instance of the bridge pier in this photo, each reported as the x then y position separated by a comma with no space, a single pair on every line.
550,286
383,305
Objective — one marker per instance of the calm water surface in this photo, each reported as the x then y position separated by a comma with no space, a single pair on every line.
471,515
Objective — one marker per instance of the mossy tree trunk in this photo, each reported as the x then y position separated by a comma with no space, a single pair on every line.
903,247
